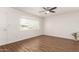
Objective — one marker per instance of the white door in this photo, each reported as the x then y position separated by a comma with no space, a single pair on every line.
12,28
3,28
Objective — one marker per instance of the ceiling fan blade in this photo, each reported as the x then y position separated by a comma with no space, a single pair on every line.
53,8
44,8
52,11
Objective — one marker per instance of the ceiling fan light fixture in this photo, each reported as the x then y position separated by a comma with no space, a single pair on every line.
47,12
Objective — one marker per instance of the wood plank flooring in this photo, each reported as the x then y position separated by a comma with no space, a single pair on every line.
42,44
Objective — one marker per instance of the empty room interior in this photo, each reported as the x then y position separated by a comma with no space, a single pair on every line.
39,29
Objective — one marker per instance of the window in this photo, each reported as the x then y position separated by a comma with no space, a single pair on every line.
27,24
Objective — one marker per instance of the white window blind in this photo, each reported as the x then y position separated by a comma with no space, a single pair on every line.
28,24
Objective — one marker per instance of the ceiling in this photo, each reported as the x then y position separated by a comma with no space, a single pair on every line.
36,10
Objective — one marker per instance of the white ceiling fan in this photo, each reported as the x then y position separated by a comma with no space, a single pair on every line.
48,10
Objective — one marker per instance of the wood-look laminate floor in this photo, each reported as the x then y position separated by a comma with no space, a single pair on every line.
42,44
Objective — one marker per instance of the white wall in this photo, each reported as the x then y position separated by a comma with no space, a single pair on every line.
62,25
12,20
14,32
